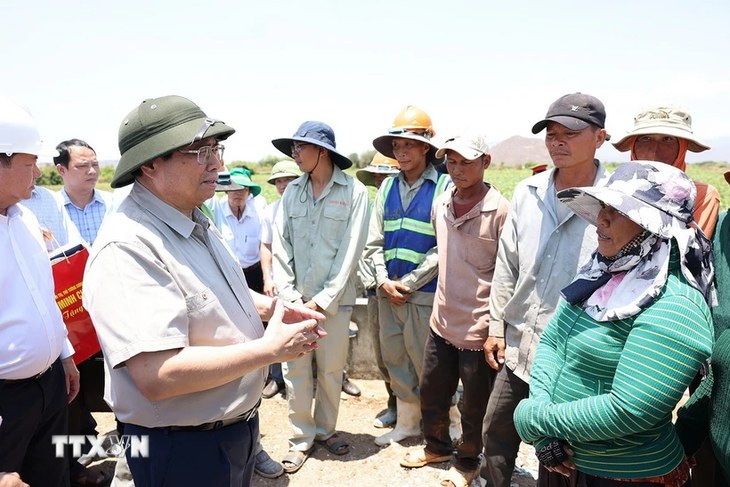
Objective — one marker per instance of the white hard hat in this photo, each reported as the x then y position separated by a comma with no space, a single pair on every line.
18,132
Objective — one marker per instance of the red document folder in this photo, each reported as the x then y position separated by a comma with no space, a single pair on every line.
68,274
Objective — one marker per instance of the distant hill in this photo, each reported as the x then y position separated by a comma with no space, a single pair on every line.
519,150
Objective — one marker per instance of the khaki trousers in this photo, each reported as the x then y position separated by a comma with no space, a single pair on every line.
298,377
403,333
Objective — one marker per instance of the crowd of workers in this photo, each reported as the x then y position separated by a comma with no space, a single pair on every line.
574,316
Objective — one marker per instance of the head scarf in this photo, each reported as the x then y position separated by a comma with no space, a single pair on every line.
660,199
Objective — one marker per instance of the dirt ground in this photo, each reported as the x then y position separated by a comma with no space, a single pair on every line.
365,460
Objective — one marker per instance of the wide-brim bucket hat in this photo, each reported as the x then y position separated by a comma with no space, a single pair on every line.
235,180
316,133
651,194
384,143
159,126
671,120
284,169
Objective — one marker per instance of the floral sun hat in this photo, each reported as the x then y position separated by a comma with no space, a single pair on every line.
660,199
655,196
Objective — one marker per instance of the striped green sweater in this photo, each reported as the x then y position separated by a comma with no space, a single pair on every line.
609,388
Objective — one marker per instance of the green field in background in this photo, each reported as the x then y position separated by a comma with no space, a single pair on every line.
505,179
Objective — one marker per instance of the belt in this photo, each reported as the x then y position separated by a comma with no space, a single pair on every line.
216,425
29,379
252,267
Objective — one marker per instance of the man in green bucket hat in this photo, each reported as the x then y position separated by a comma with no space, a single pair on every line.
240,223
185,349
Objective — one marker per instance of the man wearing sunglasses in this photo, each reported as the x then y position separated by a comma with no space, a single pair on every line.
402,250
185,350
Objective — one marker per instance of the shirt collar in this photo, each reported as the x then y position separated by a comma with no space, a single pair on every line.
429,173
97,197
546,179
12,212
338,177
162,211
247,211
490,202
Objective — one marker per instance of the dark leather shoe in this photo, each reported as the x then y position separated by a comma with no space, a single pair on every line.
350,388
271,389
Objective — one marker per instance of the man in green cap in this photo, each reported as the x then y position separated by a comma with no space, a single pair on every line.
184,346
240,223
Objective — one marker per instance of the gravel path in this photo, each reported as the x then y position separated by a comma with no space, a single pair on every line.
366,462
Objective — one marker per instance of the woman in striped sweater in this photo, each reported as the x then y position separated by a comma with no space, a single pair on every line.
626,340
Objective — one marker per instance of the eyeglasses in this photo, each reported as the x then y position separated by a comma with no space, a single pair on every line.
206,152
423,132
297,148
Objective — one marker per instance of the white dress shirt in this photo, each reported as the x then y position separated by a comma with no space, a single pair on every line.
32,332
267,222
242,235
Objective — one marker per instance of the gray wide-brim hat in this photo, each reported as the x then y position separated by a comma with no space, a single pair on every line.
651,194
384,144
316,133
159,126
672,120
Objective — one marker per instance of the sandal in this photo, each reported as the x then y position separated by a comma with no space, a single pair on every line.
335,445
421,458
294,460
456,478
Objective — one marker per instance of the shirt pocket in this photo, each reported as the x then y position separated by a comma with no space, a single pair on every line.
481,253
297,221
252,246
334,222
208,323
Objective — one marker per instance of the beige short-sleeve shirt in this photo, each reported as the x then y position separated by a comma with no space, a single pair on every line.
157,280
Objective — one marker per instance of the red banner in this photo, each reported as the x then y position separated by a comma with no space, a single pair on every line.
68,275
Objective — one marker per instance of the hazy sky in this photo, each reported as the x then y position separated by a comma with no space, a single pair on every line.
264,67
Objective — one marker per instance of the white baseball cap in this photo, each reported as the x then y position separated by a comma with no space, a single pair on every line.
469,146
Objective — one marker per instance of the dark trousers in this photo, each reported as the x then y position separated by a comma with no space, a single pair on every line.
501,441
545,478
255,278
276,374
215,458
80,420
443,366
32,413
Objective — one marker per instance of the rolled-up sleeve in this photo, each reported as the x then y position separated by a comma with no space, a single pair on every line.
134,303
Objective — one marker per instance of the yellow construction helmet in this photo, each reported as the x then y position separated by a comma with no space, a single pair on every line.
410,123
413,119
379,165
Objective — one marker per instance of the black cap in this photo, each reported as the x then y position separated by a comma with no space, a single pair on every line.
575,111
